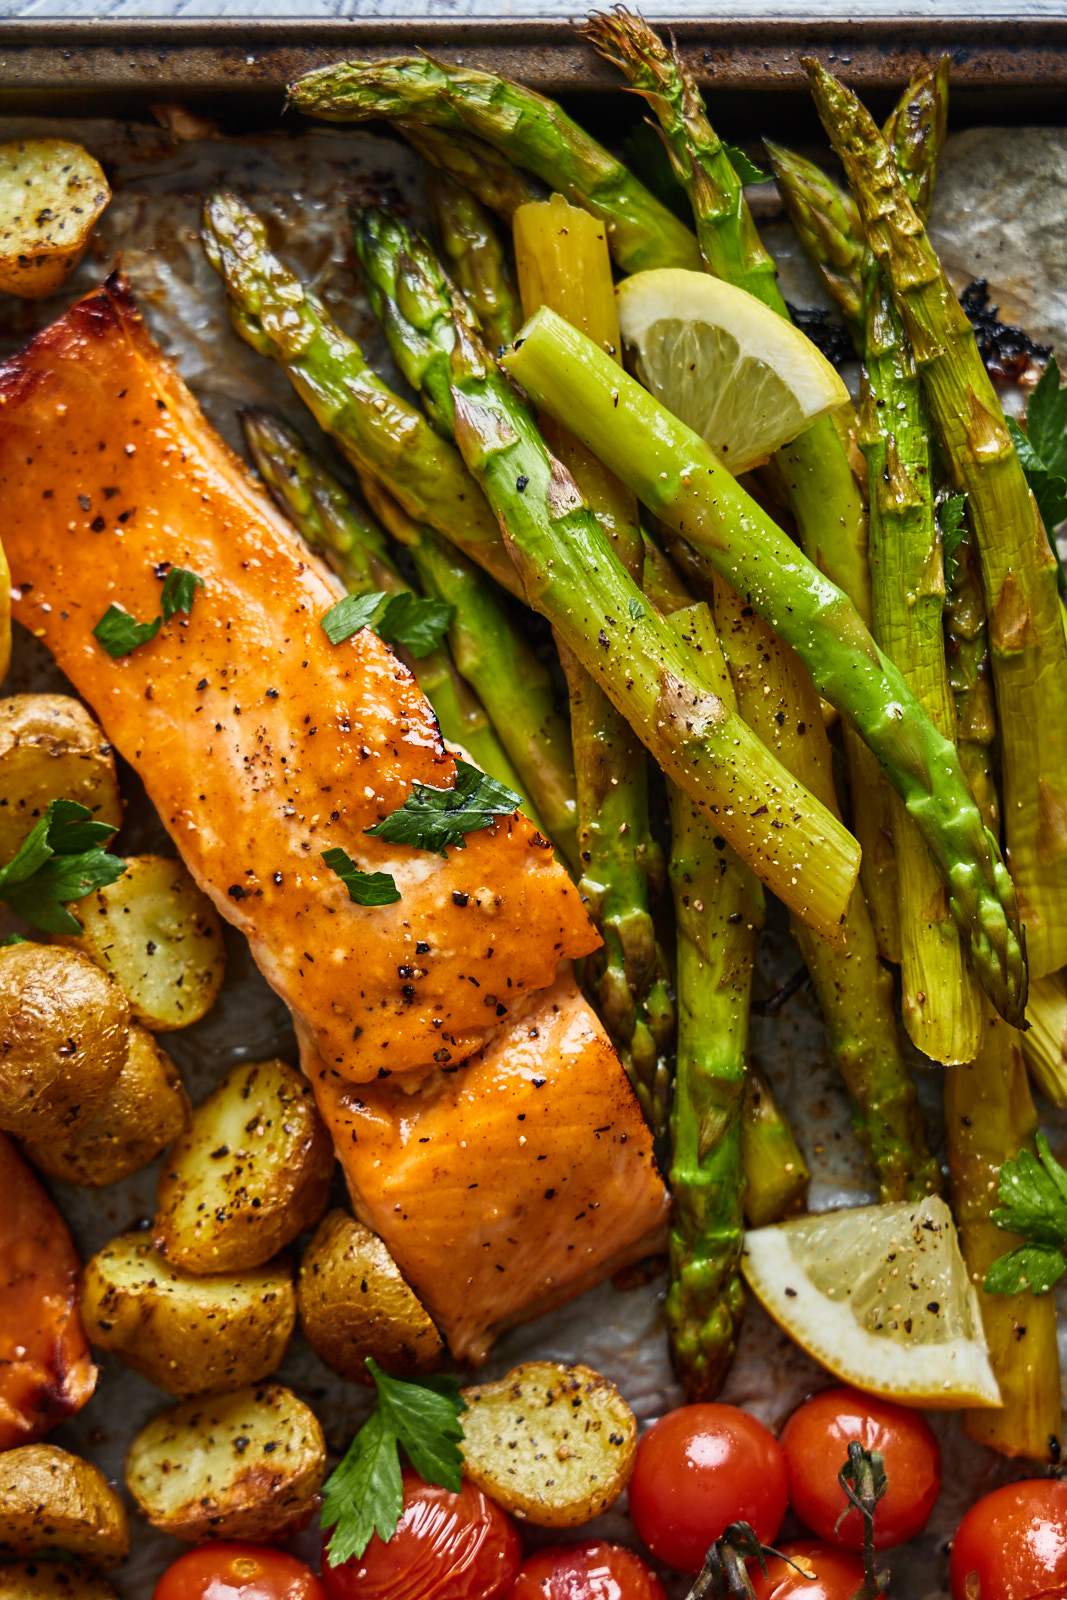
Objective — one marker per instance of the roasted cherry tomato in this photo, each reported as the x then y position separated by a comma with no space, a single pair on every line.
815,1443
238,1571
1012,1545
588,1571
697,1470
825,1573
446,1547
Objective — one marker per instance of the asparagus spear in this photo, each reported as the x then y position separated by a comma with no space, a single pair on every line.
678,478
531,131
776,1174
814,471
1045,1041
967,654
1029,649
476,260
475,166
321,510
378,432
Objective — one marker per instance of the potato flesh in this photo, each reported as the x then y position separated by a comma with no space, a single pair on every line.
51,193
241,1466
187,1335
160,937
354,1303
145,1108
51,749
51,1580
49,1497
251,1173
554,1445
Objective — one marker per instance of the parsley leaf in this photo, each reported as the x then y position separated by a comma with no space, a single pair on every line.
60,860
119,633
635,608
746,170
431,819
355,611
417,624
953,531
365,1493
1033,1195
1046,420
179,591
364,888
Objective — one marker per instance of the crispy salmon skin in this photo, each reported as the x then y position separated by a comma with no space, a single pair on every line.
260,743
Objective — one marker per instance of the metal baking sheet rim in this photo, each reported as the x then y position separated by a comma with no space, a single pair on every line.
190,57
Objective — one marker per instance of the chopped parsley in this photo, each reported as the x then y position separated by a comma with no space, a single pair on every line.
119,633
432,819
746,170
60,860
953,531
179,591
1033,1204
404,619
1042,449
364,888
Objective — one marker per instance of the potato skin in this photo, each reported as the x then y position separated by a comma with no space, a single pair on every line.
187,1335
51,1580
51,749
555,1445
51,194
237,1466
145,1109
160,937
49,1497
63,1039
251,1173
354,1303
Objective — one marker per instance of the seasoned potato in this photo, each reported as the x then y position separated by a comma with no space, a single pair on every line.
160,937
51,193
145,1108
354,1303
188,1335
63,1038
51,1580
234,1466
252,1172
554,1445
50,1499
51,749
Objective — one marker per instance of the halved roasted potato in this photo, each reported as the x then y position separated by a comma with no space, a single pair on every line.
234,1466
63,1039
354,1303
160,937
50,1499
145,1109
51,194
251,1173
554,1445
51,749
188,1335
51,1580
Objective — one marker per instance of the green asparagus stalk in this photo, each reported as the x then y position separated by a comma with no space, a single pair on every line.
531,131
814,470
1045,1041
1029,648
474,166
776,1174
677,477
321,510
379,433
476,261
970,674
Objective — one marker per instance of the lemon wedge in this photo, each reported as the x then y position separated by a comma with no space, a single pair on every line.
724,363
879,1295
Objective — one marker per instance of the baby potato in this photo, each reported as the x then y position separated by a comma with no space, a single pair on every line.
354,1303
187,1335
554,1445
51,1499
160,937
251,1173
51,749
145,1109
51,1580
235,1466
51,194
63,1040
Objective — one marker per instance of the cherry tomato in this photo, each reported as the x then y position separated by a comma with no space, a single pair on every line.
446,1547
815,1443
697,1470
1012,1545
588,1571
238,1571
826,1573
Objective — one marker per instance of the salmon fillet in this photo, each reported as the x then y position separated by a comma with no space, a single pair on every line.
260,743
506,1186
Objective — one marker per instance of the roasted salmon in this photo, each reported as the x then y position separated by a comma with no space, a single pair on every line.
260,743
